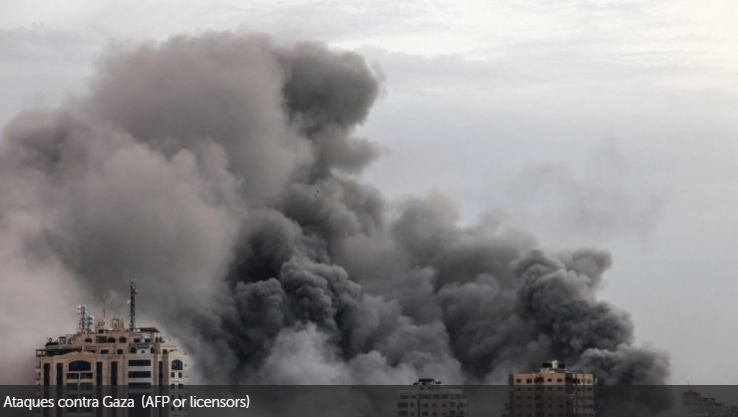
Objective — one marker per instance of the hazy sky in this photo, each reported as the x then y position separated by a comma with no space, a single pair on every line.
605,123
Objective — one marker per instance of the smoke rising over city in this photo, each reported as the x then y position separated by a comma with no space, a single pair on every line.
223,173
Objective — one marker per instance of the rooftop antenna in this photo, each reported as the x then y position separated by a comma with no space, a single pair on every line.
105,306
132,302
85,320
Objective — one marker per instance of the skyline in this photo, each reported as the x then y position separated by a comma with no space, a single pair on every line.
602,124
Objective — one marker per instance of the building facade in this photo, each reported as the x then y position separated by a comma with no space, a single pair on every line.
697,405
553,391
110,356
113,355
430,398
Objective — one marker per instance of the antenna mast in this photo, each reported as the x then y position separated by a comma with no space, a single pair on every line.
134,291
85,320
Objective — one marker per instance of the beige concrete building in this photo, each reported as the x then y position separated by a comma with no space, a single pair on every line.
111,356
115,354
430,398
553,391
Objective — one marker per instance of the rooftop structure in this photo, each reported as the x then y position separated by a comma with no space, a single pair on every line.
553,373
428,397
553,391
115,354
699,406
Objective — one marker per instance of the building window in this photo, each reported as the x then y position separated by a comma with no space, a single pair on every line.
139,362
139,374
177,365
122,340
78,366
47,374
114,373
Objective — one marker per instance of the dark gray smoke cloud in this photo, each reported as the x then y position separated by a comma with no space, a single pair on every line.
221,171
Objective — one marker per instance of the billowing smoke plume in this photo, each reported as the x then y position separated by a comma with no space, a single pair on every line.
222,172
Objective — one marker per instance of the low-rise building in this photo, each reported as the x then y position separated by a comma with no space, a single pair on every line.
430,398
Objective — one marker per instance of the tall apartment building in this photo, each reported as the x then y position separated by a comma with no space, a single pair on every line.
98,354
430,398
553,391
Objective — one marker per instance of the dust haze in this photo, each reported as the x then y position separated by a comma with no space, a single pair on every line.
223,173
